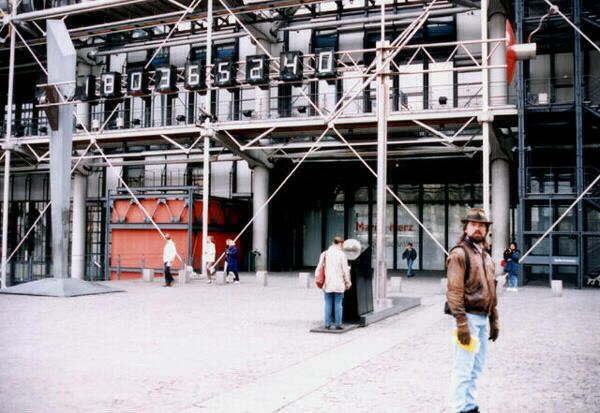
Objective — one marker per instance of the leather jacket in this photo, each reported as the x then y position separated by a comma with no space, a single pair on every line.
479,295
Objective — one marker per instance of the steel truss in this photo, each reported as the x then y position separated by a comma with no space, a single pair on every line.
463,133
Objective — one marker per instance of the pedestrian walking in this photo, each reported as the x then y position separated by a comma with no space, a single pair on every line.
410,255
337,280
511,266
169,254
209,257
232,261
472,301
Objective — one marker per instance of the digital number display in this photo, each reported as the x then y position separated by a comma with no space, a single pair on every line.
325,65
257,69
195,75
224,72
137,82
86,88
165,79
110,85
291,66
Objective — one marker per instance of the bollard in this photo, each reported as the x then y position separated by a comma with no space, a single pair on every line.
396,284
148,275
443,286
557,287
262,277
500,281
304,280
220,278
184,276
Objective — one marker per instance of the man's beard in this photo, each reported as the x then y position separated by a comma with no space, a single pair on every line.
476,237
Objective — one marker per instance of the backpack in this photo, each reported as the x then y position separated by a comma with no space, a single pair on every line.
467,274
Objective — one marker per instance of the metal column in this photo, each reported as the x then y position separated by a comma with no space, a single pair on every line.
78,242
500,166
9,120
577,55
383,93
521,126
205,158
260,227
62,60
485,108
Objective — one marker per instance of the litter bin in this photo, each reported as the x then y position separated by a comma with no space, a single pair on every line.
358,300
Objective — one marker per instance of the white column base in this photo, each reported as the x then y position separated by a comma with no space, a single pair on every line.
262,278
148,275
304,280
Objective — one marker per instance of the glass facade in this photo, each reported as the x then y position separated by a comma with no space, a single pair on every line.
407,231
442,208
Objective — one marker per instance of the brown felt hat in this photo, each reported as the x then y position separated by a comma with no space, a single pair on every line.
476,215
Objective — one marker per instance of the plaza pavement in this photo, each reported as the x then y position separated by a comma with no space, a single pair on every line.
201,348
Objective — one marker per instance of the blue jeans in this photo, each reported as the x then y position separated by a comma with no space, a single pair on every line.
513,280
333,301
468,366
410,271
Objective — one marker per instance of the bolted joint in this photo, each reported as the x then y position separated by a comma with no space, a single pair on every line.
485,117
9,146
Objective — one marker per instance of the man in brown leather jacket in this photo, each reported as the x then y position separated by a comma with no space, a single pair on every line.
472,303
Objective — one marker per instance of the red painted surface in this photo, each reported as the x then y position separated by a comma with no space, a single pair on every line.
133,244
511,60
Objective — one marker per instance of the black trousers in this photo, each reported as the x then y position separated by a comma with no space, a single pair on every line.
237,277
168,276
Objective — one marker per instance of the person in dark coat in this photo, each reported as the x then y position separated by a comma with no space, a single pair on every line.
511,257
410,255
232,260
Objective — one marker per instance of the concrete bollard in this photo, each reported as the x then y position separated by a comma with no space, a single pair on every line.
557,287
221,278
443,286
304,280
501,280
262,278
148,275
184,276
396,284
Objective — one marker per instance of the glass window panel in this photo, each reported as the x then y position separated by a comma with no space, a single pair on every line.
361,195
569,222
408,231
335,223
433,192
312,237
540,217
592,217
408,193
358,223
542,249
389,237
592,255
460,192
565,245
456,212
477,195
433,219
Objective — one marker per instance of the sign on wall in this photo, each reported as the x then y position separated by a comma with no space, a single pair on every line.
291,66
257,69
195,75
325,63
137,82
224,72
165,79
110,86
